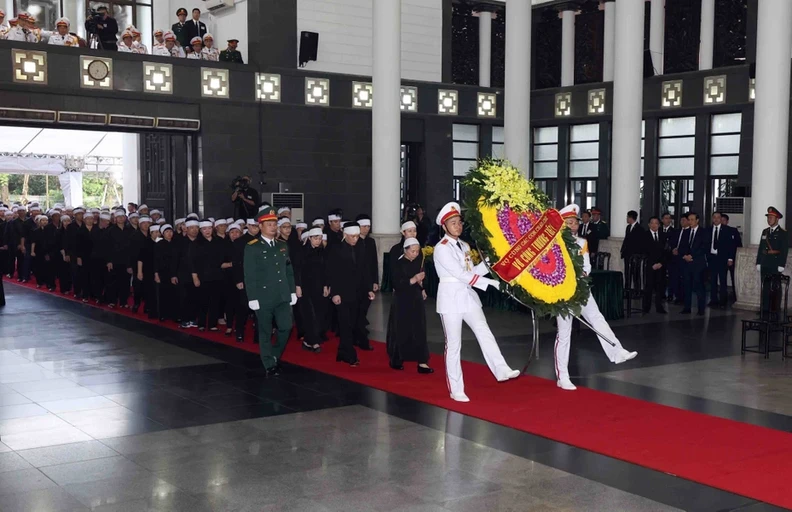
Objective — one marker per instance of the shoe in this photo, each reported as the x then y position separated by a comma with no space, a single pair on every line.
624,356
201,329
184,325
425,370
214,329
367,348
684,312
511,374
355,364
460,398
228,332
662,311
111,306
566,384
396,366
240,339
308,347
193,324
274,371
221,321
85,301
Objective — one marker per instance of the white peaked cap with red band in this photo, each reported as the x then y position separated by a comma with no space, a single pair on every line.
570,211
448,211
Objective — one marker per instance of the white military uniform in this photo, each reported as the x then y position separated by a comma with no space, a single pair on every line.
211,54
458,302
592,315
20,34
67,40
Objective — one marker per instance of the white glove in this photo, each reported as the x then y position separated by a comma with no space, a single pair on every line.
490,282
758,268
254,305
781,269
293,299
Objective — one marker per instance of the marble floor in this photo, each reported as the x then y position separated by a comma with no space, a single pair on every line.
100,412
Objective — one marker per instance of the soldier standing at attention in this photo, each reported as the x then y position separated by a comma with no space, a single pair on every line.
180,30
773,248
269,281
602,228
231,54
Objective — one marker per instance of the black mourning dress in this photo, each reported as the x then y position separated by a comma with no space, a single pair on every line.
406,339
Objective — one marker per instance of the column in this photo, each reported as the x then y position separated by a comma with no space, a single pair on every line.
707,44
485,47
517,90
568,13
657,34
771,112
609,38
386,116
627,113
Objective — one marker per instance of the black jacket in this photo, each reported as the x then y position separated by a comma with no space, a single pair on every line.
238,258
310,273
633,241
346,273
120,246
164,260
369,249
181,255
656,252
195,30
206,257
590,233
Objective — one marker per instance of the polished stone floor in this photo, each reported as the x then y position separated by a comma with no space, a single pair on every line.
100,412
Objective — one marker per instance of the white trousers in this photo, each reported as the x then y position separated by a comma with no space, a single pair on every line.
452,326
592,315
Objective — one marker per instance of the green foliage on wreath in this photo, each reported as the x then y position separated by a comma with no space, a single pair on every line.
474,190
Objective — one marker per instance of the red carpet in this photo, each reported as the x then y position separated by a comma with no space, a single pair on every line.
737,457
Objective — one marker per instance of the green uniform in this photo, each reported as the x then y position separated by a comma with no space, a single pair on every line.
231,56
269,279
772,255
180,31
603,229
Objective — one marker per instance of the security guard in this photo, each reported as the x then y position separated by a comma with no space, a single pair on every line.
231,54
772,254
269,281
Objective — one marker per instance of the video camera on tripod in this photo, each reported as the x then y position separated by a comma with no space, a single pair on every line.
93,19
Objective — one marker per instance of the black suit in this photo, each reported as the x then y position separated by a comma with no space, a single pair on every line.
195,29
589,232
693,271
633,244
349,277
655,249
724,241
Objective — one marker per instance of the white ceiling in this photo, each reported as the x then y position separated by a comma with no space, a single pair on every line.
50,141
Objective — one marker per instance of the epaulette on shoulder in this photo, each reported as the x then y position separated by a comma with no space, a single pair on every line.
444,241
252,242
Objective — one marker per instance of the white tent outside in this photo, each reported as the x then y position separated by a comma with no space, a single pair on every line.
63,153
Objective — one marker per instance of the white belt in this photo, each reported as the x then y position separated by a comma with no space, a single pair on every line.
450,280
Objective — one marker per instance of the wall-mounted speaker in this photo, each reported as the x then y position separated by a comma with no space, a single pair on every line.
309,45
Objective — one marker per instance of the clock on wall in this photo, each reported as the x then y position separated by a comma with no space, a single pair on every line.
98,70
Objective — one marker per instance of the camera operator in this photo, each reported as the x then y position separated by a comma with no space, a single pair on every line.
105,28
245,198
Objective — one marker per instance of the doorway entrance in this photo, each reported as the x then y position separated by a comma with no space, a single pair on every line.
676,197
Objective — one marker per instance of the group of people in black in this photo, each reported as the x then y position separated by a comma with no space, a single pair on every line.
670,263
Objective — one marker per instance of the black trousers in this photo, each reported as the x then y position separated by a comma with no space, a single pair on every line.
117,286
313,314
167,300
188,300
693,283
353,329
209,295
44,270
231,302
243,313
64,275
74,272
24,262
655,285
719,269
138,292
94,278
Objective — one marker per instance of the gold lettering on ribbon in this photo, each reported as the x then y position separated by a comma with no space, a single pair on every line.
530,246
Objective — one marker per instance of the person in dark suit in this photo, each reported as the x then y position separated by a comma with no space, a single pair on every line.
656,252
675,263
693,247
721,255
195,27
632,245
588,231
738,240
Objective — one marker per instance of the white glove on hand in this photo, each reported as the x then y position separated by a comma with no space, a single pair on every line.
254,305
758,268
293,299
491,282
781,269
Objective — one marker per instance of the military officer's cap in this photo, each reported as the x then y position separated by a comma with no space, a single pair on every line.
571,211
774,212
233,40
266,214
596,210
447,212
181,10
195,40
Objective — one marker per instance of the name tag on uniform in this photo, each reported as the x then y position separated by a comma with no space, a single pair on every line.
764,237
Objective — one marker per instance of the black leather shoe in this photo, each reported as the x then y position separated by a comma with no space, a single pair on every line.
367,348
274,371
239,338
396,366
425,369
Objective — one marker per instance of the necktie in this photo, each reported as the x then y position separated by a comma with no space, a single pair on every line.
655,236
460,246
715,241
692,235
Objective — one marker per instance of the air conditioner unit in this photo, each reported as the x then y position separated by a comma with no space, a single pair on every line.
293,201
739,211
214,6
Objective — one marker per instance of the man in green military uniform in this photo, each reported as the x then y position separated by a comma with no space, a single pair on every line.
231,54
772,254
180,30
269,282
602,228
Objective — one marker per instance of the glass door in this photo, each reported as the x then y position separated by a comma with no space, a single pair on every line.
584,193
676,197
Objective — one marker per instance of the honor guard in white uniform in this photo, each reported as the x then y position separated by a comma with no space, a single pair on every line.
159,40
209,51
127,43
458,302
21,32
591,313
137,37
197,46
4,26
62,36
